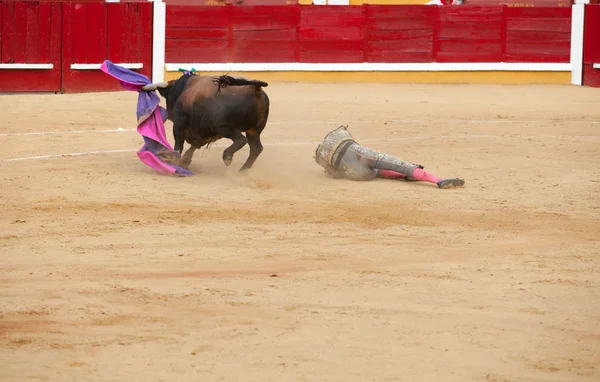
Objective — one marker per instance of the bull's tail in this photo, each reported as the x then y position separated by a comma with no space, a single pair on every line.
225,80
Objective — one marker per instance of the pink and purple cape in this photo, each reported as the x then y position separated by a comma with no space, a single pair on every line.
150,120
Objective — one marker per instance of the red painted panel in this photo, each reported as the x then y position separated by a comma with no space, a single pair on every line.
264,34
38,24
78,21
45,25
236,3
113,33
32,50
133,35
96,33
398,51
1,25
324,56
120,39
257,51
55,1
399,34
331,34
372,33
591,76
538,35
316,15
591,46
337,45
20,37
540,51
288,34
193,51
277,16
197,17
190,34
469,34
591,35
197,34
524,3
425,21
7,26
330,51
402,35
128,39
143,51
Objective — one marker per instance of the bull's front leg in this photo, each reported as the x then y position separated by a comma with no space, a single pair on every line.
239,141
180,125
186,159
178,135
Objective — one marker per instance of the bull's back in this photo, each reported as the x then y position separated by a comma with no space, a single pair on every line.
199,88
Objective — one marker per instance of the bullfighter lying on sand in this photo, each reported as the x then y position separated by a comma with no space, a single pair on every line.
342,157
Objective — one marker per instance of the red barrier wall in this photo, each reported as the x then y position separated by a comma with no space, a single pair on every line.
30,34
94,32
525,3
257,34
591,46
472,34
330,34
368,33
538,34
241,3
62,32
399,34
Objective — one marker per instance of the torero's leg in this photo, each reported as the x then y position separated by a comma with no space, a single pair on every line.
389,174
394,168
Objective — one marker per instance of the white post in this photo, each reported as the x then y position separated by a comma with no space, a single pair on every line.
577,24
158,41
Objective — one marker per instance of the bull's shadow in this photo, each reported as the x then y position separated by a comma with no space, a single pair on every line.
205,109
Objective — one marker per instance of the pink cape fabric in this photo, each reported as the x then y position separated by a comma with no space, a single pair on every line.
150,118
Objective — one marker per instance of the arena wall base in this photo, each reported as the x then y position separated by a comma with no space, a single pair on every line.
430,73
502,78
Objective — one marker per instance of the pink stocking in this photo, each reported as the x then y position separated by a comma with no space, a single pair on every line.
389,174
419,174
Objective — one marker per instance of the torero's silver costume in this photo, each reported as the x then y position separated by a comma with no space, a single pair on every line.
342,157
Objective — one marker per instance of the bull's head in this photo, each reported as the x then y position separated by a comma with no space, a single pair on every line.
164,88
170,90
155,86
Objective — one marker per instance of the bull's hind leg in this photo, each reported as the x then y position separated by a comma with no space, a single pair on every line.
256,148
239,140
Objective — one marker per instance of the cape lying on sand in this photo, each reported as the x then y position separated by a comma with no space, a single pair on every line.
156,151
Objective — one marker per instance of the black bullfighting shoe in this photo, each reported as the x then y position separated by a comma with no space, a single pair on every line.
450,183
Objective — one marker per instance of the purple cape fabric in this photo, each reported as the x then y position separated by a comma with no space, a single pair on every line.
150,119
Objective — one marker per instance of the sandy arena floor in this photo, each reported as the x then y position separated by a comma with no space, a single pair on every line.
111,272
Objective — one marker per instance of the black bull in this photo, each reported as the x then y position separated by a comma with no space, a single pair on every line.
206,109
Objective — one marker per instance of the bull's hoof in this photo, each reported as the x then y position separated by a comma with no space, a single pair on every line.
227,160
185,162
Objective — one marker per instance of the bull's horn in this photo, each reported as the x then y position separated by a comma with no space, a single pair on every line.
155,86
